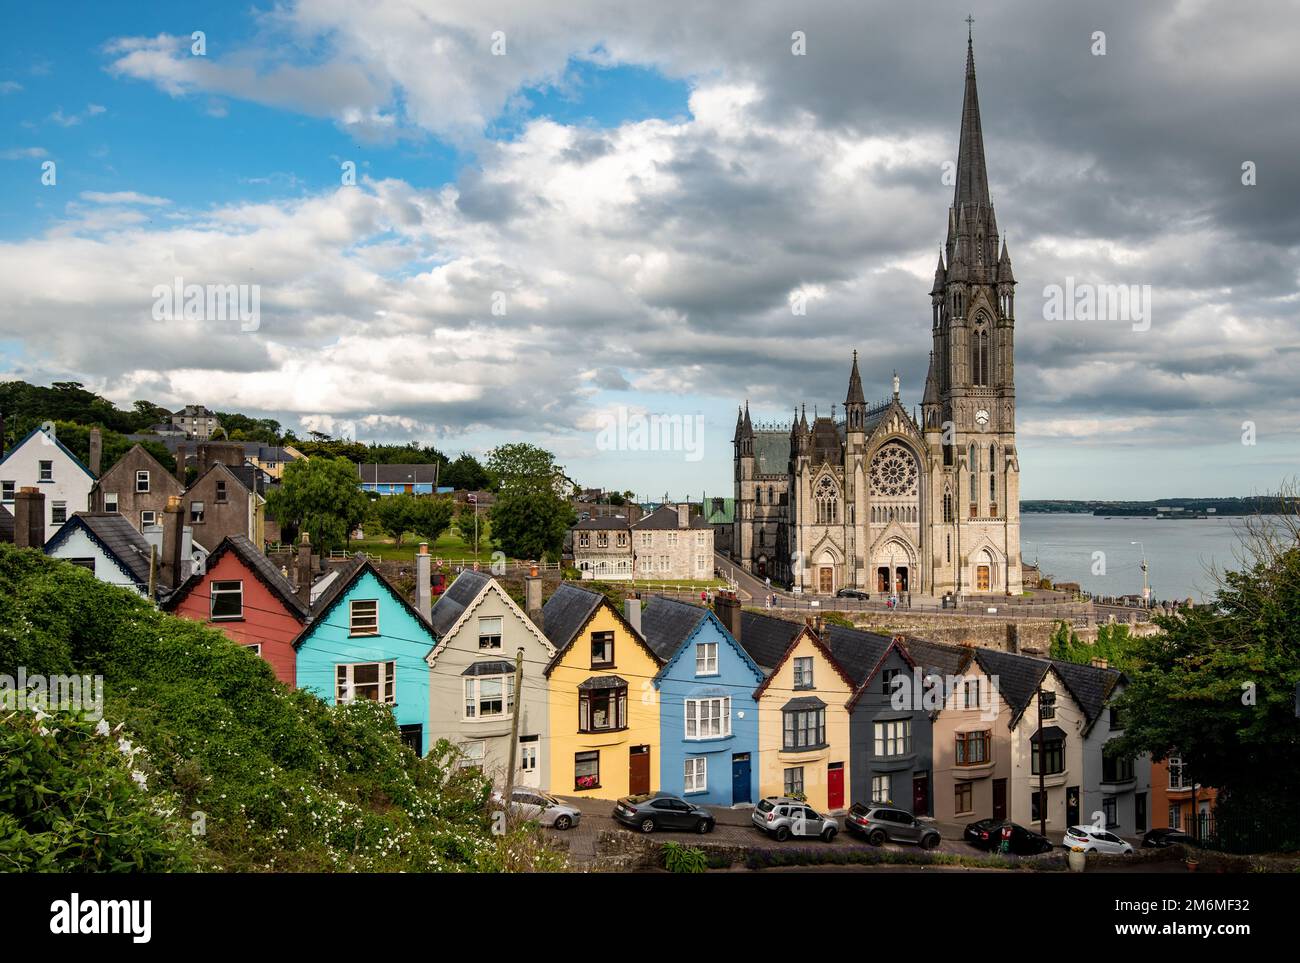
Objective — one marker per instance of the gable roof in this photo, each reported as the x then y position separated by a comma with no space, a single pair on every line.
462,592
669,624
570,609
60,445
348,577
1018,677
939,657
859,652
1090,686
121,463
373,474
665,517
463,606
766,637
818,644
115,536
257,563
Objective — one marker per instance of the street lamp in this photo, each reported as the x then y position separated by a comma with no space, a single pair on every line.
1146,589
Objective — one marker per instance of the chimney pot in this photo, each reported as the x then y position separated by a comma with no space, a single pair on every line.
304,569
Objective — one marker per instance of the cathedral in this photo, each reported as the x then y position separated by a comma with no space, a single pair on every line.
877,500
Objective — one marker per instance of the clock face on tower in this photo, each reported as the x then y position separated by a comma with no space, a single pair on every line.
981,417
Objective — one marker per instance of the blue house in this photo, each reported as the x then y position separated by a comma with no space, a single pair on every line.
398,479
365,641
708,719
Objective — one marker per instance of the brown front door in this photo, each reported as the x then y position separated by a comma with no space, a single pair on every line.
900,579
982,578
827,575
921,795
638,770
999,799
882,580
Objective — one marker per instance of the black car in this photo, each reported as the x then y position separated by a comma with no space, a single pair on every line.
1162,838
847,593
661,811
987,834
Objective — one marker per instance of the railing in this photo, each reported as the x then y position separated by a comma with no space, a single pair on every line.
1246,834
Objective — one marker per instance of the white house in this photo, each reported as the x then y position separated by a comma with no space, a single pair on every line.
108,545
42,461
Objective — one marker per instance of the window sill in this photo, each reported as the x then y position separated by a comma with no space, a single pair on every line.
363,635
698,740
604,665
227,618
794,750
601,732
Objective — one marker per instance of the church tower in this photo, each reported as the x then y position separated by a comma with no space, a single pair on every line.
968,410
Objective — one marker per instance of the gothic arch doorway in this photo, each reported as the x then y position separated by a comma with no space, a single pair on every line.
893,568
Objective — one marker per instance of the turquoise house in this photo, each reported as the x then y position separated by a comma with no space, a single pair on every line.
708,719
365,641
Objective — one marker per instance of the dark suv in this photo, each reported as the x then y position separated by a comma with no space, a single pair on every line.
661,811
880,824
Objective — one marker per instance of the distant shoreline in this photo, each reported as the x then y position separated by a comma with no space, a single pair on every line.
1167,508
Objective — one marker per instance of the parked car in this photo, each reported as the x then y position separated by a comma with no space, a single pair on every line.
1162,838
782,817
660,811
848,593
545,808
1087,839
987,834
880,824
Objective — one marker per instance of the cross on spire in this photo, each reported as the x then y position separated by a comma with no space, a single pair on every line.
970,23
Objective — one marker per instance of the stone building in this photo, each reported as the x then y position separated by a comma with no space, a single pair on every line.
880,499
137,487
671,543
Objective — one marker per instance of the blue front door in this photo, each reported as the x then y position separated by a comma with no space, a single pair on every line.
740,778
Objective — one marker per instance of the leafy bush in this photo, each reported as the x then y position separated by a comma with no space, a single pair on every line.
684,859
281,780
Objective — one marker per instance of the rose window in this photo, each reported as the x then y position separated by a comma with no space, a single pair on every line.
893,472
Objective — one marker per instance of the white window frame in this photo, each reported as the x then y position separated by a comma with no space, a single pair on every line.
151,520
473,754
345,681
528,756
57,509
473,703
8,491
880,789
707,718
491,626
360,623
196,517
45,470
706,658
110,501
254,647
142,475
893,737
214,591
695,775
798,665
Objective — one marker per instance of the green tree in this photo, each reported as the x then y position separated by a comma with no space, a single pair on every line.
530,523
320,496
523,465
1218,687
432,517
466,474
466,525
396,514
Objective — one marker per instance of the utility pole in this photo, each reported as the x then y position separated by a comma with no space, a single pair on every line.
514,730
1042,769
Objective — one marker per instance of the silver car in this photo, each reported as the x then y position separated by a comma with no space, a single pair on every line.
542,806
881,824
783,817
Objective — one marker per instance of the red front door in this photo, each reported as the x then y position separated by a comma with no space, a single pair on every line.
835,785
638,771
920,795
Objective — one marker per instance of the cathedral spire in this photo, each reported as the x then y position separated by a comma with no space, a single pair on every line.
972,176
855,396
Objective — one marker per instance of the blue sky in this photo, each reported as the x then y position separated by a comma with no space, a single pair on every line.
616,210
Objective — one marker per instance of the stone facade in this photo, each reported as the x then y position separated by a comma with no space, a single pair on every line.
670,543
879,499
136,487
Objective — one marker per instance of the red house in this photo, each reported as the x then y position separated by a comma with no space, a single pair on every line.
244,595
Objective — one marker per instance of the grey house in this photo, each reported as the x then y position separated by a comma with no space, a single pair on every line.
471,685
890,739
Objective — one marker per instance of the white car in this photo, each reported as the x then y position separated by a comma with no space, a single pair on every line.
1090,839
542,806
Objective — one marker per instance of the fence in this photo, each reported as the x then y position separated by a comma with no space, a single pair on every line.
1246,834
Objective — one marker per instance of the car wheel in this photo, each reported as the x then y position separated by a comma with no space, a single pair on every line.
929,842
828,834
703,826
1127,852
877,837
782,833
647,825
563,822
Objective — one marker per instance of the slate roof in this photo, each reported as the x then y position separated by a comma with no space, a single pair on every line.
604,523
456,599
566,612
938,657
664,518
1018,676
1090,685
667,623
772,452
857,651
766,637
803,702
397,474
598,682
496,667
342,580
254,560
118,538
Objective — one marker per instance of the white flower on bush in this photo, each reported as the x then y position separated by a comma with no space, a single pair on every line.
140,778
101,728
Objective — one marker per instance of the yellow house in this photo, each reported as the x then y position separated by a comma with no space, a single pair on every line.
603,708
803,719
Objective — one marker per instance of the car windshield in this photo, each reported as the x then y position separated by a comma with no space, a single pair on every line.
1078,831
549,800
766,806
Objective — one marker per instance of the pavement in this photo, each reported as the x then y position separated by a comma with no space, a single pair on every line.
733,827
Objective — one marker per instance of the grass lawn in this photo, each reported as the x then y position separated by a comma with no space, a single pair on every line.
450,547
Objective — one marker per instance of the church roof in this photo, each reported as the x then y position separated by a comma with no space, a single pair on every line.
771,452
972,175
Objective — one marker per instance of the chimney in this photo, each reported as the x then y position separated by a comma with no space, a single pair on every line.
684,515
727,608
533,596
819,625
180,464
173,544
96,450
29,518
632,611
304,569
423,578
1101,663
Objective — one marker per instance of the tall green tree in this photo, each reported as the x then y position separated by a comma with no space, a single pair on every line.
466,474
530,514
320,496
1218,687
